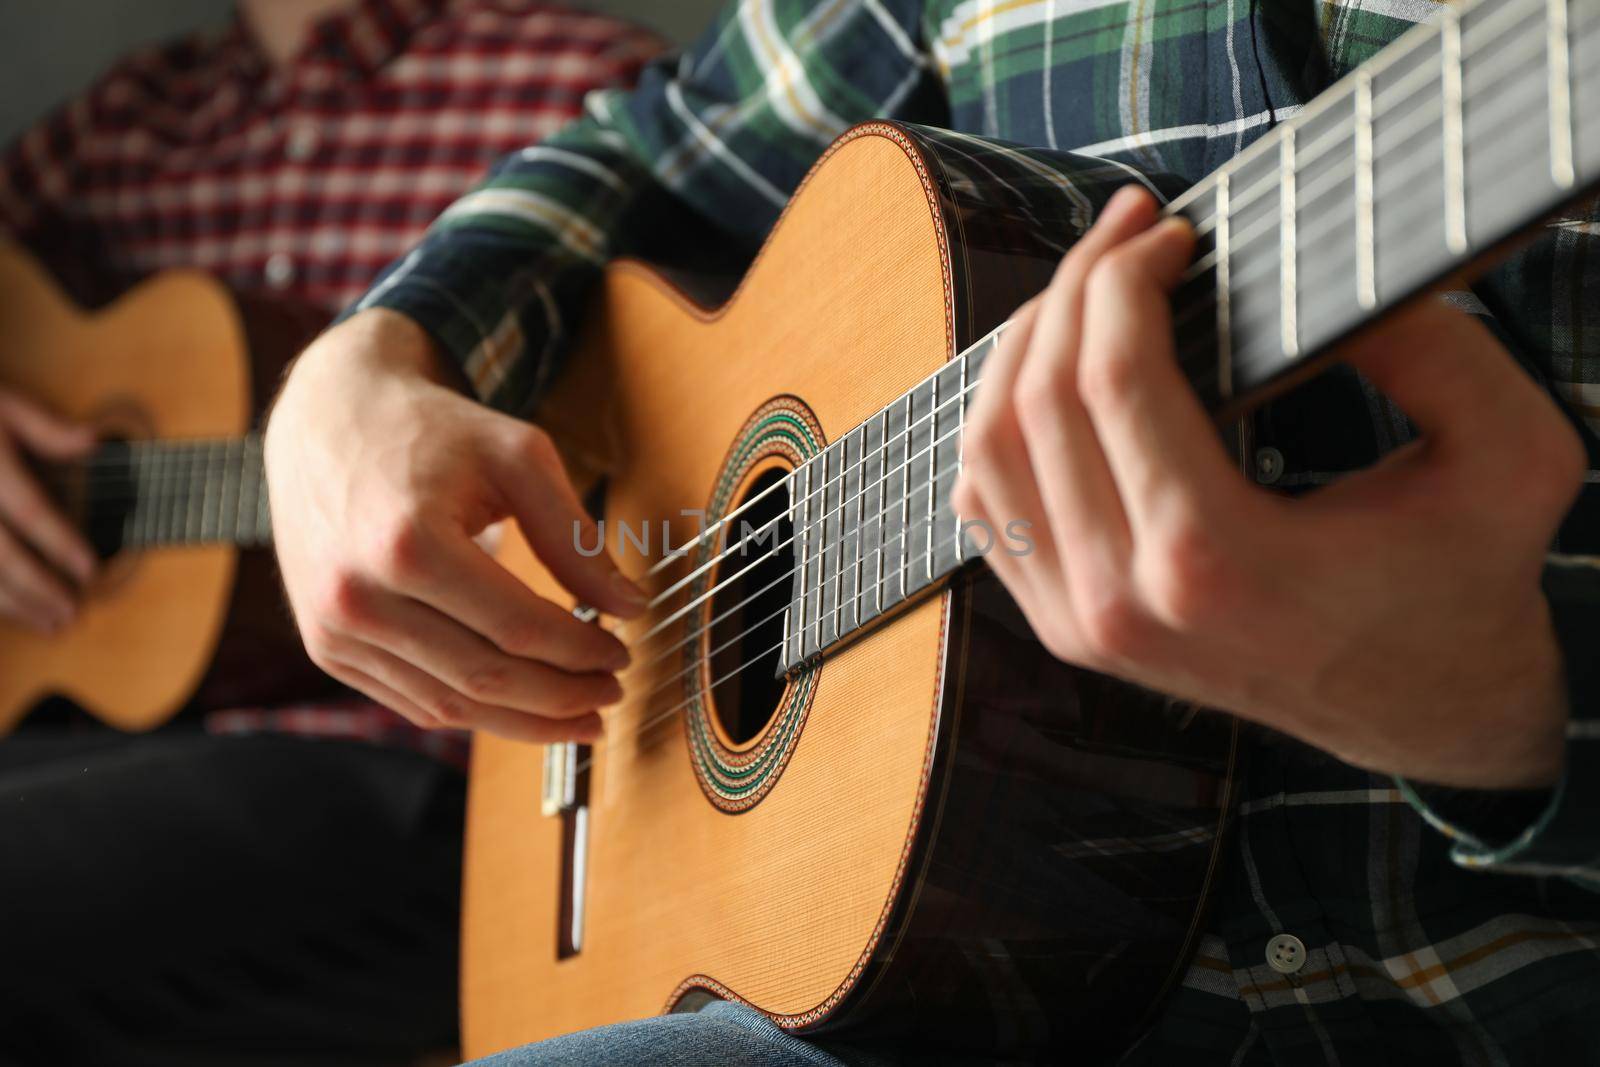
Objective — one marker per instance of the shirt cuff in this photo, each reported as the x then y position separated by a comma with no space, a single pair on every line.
1541,832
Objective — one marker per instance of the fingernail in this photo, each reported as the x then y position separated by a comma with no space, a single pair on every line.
618,657
628,593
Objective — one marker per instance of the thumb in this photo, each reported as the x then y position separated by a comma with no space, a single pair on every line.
1448,373
42,432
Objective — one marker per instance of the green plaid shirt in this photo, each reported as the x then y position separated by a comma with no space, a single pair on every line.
1450,927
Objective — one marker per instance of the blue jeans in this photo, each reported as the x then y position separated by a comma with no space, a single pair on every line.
719,1034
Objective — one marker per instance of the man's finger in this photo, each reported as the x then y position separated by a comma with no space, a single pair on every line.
452,709
25,508
461,581
469,664
389,698
1161,445
1446,371
42,432
42,600
1074,480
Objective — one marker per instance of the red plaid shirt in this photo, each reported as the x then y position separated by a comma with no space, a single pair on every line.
303,181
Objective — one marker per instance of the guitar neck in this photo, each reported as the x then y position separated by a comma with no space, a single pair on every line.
1448,145
147,494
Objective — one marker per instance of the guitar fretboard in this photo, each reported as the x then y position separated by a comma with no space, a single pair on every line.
143,494
1455,139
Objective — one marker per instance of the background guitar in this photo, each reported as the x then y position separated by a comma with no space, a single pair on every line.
186,609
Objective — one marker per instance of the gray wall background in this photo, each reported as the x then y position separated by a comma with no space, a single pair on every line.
49,49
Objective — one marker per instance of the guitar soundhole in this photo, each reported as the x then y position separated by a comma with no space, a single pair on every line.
752,583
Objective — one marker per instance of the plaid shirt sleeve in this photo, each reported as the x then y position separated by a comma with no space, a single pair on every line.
727,130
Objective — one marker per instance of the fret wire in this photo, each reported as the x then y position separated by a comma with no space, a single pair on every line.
803,548
147,464
1288,255
166,520
137,521
838,550
883,484
961,454
235,454
1455,164
191,507
1559,43
797,524
822,550
860,530
820,564
905,504
1366,210
1224,293
207,486
247,509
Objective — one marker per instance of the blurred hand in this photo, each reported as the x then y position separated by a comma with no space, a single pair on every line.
1394,619
380,476
38,545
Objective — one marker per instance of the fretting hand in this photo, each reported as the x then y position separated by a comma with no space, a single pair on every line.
1394,619
41,552
380,477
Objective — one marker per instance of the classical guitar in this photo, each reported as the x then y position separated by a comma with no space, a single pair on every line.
172,499
846,786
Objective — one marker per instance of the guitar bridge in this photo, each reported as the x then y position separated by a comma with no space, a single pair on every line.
565,796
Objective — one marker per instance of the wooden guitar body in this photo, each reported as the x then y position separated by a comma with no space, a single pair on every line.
177,358
942,835
168,360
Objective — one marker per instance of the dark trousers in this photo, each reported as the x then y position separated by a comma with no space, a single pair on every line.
181,899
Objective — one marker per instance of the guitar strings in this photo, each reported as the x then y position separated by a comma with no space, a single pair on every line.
910,429
714,527
733,672
640,641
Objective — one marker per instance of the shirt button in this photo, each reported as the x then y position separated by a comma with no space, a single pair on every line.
1286,954
301,144
279,270
1269,465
